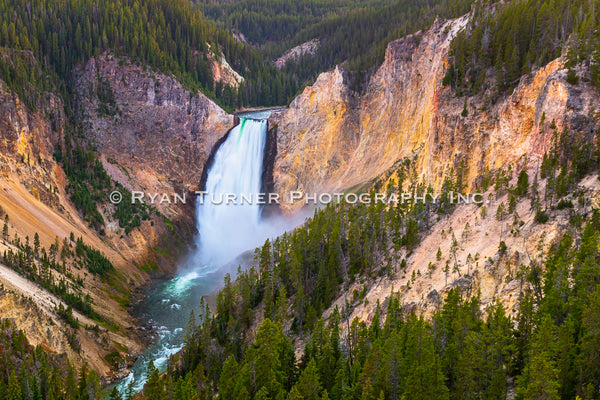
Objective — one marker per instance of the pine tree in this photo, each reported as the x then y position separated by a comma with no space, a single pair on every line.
13,391
425,379
227,383
368,391
497,335
36,243
153,390
308,385
522,183
5,228
83,381
71,391
393,364
130,392
470,369
55,386
588,361
114,394
93,385
264,359
539,380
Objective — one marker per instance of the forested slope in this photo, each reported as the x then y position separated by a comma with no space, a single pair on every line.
506,41
266,338
351,33
171,36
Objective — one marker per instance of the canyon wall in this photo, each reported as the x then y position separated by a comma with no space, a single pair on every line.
333,139
151,134
34,198
330,138
158,135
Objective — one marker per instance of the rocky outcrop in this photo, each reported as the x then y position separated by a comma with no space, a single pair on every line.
27,141
293,54
155,130
223,72
42,330
332,139
317,136
398,111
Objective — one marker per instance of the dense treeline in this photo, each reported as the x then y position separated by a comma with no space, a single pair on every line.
23,75
62,33
507,40
276,21
547,351
353,33
171,36
359,39
33,373
585,45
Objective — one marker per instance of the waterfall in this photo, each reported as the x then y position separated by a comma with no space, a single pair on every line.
226,230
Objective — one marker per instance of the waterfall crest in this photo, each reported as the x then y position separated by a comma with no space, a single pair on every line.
225,230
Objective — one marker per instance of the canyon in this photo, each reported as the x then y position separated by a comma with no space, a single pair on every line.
152,134
332,138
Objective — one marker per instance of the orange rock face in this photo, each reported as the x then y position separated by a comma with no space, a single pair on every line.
330,138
